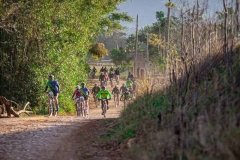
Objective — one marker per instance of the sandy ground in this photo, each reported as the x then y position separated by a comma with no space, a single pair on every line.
62,137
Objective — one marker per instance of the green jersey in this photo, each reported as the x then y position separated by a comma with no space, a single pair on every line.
129,83
104,94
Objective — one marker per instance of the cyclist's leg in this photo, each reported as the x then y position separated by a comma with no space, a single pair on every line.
102,106
107,103
117,99
87,106
56,100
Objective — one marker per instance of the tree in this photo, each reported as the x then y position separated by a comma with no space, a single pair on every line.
121,58
42,37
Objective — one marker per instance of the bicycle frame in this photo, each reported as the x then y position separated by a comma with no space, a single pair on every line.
80,106
116,99
51,99
104,106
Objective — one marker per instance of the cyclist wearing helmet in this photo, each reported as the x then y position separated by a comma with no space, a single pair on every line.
102,78
86,93
129,83
105,69
111,69
94,70
54,87
106,75
104,94
102,69
111,75
95,89
115,90
130,75
123,89
77,93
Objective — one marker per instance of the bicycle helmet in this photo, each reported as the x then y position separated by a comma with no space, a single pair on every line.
78,87
83,83
129,79
51,76
103,87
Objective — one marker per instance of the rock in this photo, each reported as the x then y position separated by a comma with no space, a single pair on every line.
131,142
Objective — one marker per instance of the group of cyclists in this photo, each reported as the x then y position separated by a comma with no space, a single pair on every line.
100,92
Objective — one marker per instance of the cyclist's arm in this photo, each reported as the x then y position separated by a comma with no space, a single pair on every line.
99,94
58,88
110,95
46,89
73,95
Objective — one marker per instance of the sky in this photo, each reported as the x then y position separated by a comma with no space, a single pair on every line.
146,11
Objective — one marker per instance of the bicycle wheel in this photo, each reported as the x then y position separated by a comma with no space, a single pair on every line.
78,109
81,110
50,108
111,82
104,110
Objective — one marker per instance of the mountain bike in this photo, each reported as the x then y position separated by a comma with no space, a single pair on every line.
126,98
103,83
51,109
116,99
95,99
93,75
104,106
117,79
80,107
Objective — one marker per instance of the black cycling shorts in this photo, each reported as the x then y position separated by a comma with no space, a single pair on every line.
85,97
55,94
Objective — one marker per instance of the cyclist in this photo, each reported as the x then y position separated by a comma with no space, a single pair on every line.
102,69
135,85
111,69
86,93
105,69
117,74
104,94
94,70
106,75
111,75
123,89
130,75
116,92
129,83
101,78
55,88
95,90
77,93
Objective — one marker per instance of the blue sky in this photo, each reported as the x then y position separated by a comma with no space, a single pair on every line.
146,10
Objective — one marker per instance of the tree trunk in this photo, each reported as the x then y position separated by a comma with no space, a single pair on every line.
6,105
237,26
225,46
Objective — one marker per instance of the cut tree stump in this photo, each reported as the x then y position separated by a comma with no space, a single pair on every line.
6,106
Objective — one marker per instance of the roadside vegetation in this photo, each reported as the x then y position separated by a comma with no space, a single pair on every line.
38,38
191,111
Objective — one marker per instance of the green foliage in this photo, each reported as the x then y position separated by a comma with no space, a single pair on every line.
122,59
43,37
98,50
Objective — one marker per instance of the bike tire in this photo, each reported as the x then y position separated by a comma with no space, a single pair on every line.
104,110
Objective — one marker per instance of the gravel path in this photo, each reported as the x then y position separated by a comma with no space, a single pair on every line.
60,138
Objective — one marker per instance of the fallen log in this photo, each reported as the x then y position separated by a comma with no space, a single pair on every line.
6,106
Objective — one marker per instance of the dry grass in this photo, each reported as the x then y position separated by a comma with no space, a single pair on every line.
200,122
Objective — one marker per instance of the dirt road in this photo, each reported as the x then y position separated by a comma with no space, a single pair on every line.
60,138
